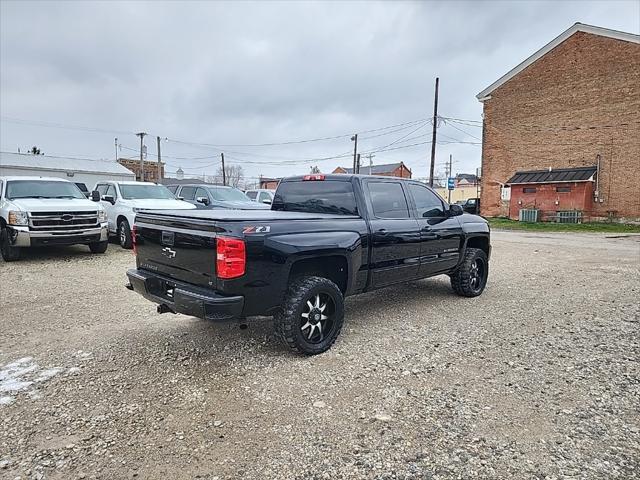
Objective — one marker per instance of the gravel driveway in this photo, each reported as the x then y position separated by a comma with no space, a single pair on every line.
537,378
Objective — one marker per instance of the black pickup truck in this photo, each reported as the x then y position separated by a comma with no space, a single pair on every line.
326,237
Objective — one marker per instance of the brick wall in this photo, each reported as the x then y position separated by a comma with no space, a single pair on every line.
150,169
589,84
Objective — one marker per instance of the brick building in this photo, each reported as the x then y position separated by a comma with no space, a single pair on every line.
573,103
387,170
150,169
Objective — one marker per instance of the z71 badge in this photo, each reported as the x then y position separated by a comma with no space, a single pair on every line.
250,230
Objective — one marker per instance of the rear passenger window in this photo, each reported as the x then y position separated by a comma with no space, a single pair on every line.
188,193
428,204
388,200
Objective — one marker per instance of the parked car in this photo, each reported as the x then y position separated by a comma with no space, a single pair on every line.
472,205
38,211
261,195
121,201
325,238
216,196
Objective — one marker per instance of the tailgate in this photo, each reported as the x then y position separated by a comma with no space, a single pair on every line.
177,249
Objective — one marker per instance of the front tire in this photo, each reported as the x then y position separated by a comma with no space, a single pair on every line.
470,278
312,315
9,253
124,234
99,247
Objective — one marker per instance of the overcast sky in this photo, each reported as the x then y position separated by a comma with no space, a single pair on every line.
243,73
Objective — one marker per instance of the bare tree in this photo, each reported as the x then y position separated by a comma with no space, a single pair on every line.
315,169
234,174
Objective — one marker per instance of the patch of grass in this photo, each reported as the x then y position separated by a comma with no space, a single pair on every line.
595,227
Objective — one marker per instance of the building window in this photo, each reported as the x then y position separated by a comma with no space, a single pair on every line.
529,190
563,189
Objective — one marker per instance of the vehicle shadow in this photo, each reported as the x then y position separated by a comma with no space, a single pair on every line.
57,253
189,336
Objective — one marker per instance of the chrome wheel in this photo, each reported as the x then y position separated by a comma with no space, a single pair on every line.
123,235
476,274
316,320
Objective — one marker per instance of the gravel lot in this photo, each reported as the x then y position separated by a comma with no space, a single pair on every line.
537,378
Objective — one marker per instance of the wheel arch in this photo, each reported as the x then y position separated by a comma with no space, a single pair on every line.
333,266
479,241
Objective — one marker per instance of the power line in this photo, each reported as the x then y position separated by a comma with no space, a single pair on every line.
296,142
21,121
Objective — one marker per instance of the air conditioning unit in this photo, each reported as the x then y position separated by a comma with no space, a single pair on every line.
528,215
569,216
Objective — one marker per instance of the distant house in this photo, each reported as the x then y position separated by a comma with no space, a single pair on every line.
385,170
150,169
269,183
77,170
571,106
466,179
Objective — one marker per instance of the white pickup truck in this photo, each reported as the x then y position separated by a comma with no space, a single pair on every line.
121,201
40,211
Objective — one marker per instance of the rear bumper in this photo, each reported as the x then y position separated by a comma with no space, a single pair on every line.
185,298
23,237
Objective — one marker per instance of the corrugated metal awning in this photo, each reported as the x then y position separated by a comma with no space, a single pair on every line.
578,174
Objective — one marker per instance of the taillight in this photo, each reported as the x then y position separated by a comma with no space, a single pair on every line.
312,177
134,240
231,257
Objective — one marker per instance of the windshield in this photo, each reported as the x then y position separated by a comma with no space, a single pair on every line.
133,192
228,195
42,189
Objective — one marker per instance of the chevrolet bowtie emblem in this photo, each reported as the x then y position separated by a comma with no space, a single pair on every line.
167,252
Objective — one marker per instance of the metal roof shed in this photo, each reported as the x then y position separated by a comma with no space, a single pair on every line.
78,170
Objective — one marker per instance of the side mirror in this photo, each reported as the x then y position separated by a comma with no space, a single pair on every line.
455,210
203,200
95,196
109,198
266,201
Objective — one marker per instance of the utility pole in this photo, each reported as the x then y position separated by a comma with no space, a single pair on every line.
371,155
116,145
224,174
433,138
355,151
450,174
141,135
358,164
159,176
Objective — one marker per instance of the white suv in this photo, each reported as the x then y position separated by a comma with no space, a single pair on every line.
122,200
261,195
40,211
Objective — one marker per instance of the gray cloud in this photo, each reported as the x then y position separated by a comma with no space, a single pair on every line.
245,72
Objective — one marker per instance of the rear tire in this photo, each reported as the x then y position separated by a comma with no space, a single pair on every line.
124,234
312,315
470,278
99,247
9,252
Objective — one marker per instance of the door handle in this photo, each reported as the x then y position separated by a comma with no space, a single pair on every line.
382,231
